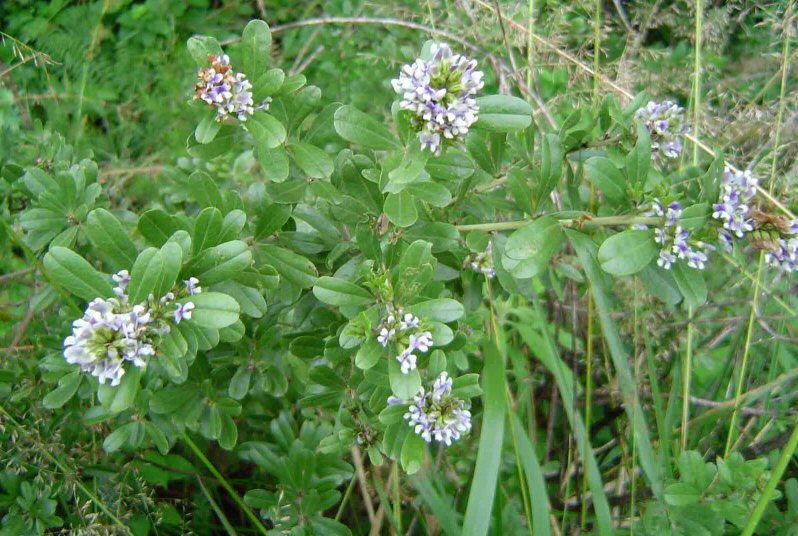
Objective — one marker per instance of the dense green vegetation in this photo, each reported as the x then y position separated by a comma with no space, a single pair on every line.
346,284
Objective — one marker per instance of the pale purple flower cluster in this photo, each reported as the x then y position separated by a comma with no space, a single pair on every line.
785,253
666,126
483,262
227,91
675,240
436,414
738,189
440,94
405,330
114,331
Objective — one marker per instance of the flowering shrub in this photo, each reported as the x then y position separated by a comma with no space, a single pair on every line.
314,282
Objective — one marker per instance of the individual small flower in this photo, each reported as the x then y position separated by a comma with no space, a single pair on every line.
420,341
192,286
440,94
409,321
733,210
167,298
666,126
122,279
437,415
483,262
385,336
407,360
226,90
183,311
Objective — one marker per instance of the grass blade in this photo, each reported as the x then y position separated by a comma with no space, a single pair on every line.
542,345
486,473
541,509
585,250
446,516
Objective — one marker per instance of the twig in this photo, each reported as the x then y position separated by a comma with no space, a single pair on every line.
15,275
357,460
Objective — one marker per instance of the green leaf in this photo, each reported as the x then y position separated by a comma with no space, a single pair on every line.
401,209
205,191
503,113
267,84
453,165
486,470
200,46
256,40
207,229
433,193
339,292
118,437
145,276
691,284
67,387
404,386
466,386
638,161
266,130
172,257
413,450
208,128
156,226
607,178
627,252
110,238
157,436
357,127
313,161
681,494
369,354
529,249
214,310
124,395
222,262
695,216
439,310
72,272
274,163
550,171
239,383
292,267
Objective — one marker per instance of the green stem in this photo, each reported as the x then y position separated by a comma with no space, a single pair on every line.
686,370
347,493
397,499
225,484
770,487
697,77
586,220
80,485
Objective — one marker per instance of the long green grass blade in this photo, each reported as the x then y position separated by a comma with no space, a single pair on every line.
486,473
541,509
585,250
448,519
542,345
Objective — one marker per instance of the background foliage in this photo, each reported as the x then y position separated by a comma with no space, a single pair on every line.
267,415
